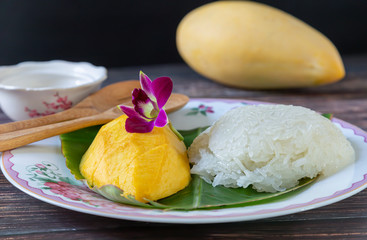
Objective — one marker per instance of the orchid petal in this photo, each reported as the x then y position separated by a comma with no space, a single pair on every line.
139,95
146,84
129,111
143,104
138,125
162,89
161,119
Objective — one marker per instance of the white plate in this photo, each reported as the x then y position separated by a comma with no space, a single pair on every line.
39,170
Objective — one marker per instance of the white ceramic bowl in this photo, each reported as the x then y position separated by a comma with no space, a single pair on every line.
34,89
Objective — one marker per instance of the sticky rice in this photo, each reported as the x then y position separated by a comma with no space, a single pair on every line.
270,147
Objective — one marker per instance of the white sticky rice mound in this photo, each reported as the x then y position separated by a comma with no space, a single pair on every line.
270,147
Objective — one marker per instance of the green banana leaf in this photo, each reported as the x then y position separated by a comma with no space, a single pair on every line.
190,135
197,195
74,145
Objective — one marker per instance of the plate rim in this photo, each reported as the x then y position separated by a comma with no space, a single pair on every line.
353,189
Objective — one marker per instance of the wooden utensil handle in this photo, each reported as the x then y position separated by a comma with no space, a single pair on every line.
36,122
23,137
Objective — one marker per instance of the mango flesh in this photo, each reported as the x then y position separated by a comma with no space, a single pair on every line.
252,45
147,166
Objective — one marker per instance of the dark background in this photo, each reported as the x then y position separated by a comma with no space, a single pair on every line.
123,33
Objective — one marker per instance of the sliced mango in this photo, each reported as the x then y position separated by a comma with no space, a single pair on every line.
148,166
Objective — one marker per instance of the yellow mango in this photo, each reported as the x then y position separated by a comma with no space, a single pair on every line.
145,165
252,45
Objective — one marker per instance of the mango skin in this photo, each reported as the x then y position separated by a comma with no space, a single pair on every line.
252,45
147,166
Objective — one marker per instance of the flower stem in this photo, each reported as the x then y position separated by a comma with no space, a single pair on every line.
175,131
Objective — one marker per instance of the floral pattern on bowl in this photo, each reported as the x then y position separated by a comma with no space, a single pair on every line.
61,103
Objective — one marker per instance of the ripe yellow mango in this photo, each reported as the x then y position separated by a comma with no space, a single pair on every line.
252,45
147,166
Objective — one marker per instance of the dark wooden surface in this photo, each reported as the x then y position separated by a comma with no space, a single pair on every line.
23,217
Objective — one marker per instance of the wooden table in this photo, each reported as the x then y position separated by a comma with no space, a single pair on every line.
23,217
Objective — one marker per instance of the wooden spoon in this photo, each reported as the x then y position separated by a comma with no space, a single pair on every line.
22,137
95,103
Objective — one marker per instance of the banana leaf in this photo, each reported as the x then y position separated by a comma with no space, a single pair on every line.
74,145
190,135
197,195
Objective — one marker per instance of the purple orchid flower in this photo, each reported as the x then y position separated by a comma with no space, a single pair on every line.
148,105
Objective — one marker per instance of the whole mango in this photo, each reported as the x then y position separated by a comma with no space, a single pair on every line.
252,45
